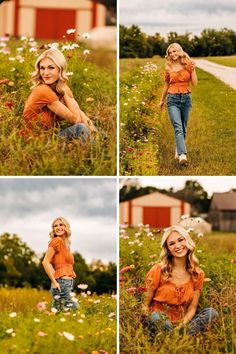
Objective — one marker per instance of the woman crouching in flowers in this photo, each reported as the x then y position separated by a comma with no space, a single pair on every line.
51,100
174,286
58,264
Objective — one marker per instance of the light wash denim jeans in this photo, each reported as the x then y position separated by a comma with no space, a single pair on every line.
77,131
179,106
198,324
63,300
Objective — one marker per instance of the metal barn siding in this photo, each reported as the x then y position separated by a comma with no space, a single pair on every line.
57,20
158,217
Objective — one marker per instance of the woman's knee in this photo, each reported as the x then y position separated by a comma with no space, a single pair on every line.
211,313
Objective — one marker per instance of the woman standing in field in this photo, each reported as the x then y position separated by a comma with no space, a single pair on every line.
174,286
58,264
180,71
52,100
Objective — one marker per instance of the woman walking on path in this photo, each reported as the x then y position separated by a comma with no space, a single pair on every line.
58,264
174,287
180,71
51,100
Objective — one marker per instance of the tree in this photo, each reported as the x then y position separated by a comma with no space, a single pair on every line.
18,266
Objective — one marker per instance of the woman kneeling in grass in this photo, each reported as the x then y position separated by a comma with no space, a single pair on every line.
51,100
174,286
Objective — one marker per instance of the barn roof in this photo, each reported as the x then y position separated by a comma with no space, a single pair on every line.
157,195
224,201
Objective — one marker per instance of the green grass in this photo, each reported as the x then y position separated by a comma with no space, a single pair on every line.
94,86
93,329
211,130
215,252
227,61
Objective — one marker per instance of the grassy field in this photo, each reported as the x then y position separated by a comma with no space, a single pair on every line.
90,330
227,61
215,252
93,82
211,129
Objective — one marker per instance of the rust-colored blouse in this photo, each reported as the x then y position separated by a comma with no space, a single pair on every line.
62,260
169,298
179,80
36,110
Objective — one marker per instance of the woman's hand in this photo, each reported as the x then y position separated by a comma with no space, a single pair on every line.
56,285
145,310
161,104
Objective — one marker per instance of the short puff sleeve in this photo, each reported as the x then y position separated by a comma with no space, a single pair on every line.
43,94
167,77
198,281
56,244
190,67
153,277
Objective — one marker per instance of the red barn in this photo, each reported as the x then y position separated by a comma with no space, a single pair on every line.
156,209
49,19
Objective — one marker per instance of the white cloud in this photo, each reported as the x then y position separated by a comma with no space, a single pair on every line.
180,16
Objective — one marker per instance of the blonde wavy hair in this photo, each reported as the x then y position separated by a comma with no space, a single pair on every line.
166,259
184,57
67,225
59,60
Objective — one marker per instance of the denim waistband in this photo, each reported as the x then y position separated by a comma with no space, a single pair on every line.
179,94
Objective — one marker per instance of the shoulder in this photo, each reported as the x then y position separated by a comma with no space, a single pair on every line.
190,66
44,91
55,243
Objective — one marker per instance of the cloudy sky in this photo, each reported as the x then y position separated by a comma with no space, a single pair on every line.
158,16
29,205
211,184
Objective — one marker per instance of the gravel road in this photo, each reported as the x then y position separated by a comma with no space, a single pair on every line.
224,73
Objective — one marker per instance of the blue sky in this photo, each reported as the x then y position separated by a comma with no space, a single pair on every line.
158,16
28,206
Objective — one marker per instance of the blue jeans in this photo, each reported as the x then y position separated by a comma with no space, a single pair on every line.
77,131
198,324
63,300
179,106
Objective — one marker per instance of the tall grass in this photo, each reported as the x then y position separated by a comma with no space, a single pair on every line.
140,247
94,87
93,325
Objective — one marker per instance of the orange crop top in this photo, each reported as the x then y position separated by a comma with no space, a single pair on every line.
62,260
169,298
178,81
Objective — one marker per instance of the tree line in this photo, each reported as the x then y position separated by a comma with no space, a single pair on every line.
136,44
21,267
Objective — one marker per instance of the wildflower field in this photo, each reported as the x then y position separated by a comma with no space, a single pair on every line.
28,326
147,145
92,79
139,251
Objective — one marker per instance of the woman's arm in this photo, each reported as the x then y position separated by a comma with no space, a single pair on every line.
73,106
192,308
163,96
194,80
48,267
149,293
62,111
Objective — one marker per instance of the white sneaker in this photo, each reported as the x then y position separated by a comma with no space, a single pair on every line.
182,159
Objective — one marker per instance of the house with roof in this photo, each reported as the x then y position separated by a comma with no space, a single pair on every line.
155,209
49,19
222,211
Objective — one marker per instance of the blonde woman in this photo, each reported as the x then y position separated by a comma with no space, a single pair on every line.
51,100
58,264
180,71
174,286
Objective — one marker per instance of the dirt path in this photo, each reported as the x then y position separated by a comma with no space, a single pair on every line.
224,73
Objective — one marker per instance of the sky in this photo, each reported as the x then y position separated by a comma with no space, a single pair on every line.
210,183
158,16
29,205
